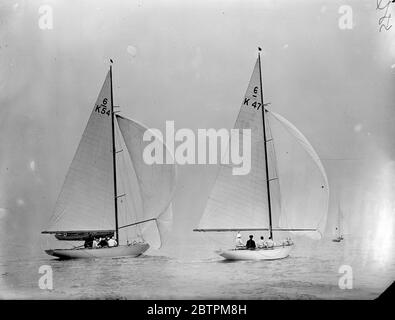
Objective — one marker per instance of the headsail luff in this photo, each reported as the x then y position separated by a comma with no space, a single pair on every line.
86,200
155,183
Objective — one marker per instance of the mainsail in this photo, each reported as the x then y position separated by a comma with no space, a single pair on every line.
154,185
86,201
298,184
240,201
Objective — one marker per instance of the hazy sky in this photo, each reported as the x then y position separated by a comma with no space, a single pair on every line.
190,61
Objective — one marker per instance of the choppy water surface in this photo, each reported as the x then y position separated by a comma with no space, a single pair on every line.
195,272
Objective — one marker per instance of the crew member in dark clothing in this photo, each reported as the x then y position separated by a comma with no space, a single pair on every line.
88,242
103,243
250,243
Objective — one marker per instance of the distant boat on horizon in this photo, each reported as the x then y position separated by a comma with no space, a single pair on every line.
286,190
339,226
109,191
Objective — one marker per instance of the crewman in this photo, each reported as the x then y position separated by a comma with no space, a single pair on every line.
251,243
112,242
261,243
239,242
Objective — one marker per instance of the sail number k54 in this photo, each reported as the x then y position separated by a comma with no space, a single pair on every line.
103,108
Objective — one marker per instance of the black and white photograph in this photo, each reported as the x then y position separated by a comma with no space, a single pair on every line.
197,150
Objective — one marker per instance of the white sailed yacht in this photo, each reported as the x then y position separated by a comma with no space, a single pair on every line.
339,226
286,189
110,191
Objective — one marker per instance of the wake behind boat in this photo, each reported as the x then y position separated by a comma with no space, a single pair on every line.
286,189
110,192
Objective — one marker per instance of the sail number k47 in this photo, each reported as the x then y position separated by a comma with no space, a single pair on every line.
255,104
103,109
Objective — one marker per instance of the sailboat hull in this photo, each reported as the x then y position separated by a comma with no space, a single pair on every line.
278,252
134,250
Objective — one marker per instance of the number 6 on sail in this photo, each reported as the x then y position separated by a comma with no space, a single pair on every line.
286,189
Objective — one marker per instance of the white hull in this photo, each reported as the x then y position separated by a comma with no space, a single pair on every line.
120,251
278,252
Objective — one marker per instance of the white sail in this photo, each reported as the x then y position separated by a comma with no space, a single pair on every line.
298,184
130,206
341,222
86,201
154,183
339,227
240,201
304,188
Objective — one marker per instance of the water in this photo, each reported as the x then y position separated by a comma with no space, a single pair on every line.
196,272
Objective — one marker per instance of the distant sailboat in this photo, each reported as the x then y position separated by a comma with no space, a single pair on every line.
339,226
110,191
286,189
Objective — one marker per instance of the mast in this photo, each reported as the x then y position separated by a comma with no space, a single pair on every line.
339,221
265,143
114,160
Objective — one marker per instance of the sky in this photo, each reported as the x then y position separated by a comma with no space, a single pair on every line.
190,62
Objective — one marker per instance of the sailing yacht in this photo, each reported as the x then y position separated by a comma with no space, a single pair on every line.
285,191
109,191
339,226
